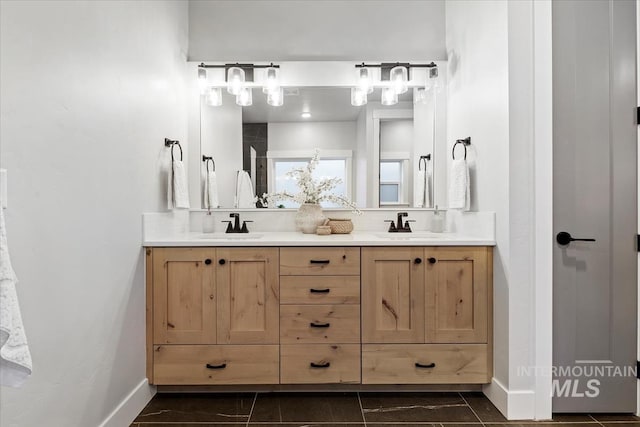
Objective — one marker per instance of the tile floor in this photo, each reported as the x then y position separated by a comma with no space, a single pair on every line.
345,410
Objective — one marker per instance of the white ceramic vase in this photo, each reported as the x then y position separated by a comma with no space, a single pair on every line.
309,217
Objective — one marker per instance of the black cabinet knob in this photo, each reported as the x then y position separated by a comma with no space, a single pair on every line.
207,261
222,262
418,260
432,260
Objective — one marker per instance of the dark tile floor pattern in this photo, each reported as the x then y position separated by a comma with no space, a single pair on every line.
347,410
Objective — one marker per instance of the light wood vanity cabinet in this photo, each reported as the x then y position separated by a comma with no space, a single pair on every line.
319,315
202,300
426,315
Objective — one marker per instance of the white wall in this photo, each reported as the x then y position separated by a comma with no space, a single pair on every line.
325,30
310,135
500,95
478,101
88,92
396,135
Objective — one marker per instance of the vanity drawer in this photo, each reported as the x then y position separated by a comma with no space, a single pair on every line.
215,364
320,290
323,261
441,364
319,324
320,364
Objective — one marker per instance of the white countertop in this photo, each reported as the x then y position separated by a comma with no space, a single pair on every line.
360,238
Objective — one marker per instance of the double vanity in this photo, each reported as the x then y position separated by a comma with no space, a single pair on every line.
279,309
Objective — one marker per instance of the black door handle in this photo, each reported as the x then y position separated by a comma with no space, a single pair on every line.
432,260
563,238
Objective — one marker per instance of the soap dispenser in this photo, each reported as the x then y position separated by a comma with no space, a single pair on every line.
437,221
208,223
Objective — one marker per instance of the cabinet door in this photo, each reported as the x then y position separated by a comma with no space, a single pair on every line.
248,295
456,295
184,302
392,295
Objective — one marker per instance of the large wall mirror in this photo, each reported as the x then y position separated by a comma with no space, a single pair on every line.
385,155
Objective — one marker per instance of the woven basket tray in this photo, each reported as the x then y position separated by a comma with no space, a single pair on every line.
340,225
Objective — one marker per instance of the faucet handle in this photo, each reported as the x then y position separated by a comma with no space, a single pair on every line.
229,227
392,226
407,226
244,228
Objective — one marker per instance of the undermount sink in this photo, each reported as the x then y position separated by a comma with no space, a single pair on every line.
416,235
231,236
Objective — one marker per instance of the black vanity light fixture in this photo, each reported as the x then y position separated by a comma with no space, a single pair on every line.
239,78
394,80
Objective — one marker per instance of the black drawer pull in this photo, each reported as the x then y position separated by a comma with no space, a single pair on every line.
319,325
320,365
319,291
221,366
319,261
430,365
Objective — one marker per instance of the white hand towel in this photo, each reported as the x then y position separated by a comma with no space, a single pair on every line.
15,358
459,185
419,189
178,190
427,189
211,200
245,197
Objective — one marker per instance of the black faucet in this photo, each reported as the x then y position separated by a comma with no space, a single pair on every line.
235,228
400,227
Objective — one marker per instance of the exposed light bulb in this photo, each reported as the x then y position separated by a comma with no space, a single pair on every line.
358,96
389,96
214,97
365,81
275,98
305,115
202,80
271,82
245,97
399,79
235,80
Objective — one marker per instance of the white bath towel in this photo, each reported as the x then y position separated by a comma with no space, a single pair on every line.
245,197
177,187
459,185
15,358
211,200
422,189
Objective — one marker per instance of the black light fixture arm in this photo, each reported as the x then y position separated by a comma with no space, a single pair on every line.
397,64
237,64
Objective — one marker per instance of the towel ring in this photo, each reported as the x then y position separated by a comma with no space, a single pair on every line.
465,142
172,143
423,162
206,160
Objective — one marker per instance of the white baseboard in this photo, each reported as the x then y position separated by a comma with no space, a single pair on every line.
131,406
515,404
